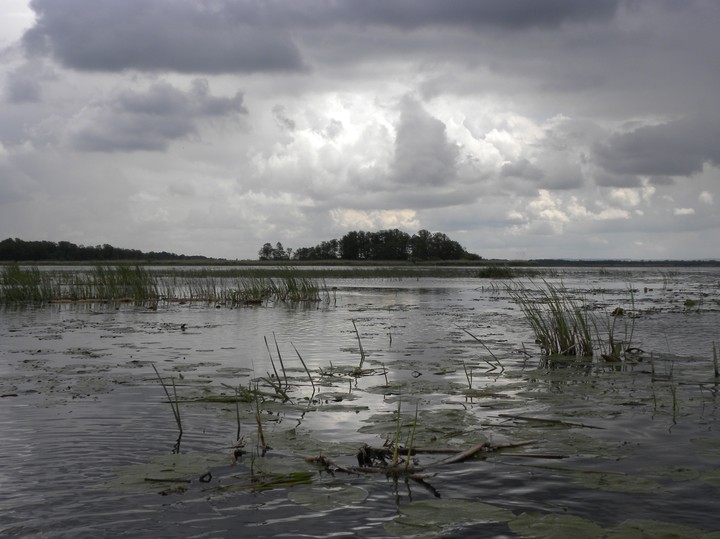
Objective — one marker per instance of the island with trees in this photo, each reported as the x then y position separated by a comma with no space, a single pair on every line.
384,245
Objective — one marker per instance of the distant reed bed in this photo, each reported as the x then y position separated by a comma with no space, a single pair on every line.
124,283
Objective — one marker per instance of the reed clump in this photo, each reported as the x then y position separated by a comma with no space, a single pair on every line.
496,272
561,324
18,284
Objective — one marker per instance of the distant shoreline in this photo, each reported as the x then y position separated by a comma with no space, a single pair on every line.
538,263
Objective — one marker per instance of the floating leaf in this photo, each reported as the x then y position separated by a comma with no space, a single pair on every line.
328,497
551,526
429,518
711,476
168,469
615,482
653,529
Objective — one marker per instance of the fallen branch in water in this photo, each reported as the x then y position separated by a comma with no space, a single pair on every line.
373,459
552,421
483,447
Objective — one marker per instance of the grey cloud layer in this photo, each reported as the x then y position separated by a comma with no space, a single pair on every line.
678,148
255,35
149,120
173,35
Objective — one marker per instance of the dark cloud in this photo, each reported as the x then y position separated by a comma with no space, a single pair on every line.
255,35
149,120
677,148
175,35
423,153
513,14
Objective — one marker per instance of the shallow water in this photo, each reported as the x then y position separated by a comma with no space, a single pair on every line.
81,405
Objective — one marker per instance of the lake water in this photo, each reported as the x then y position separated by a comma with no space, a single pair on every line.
89,443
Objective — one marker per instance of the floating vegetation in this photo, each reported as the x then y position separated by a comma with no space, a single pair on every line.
328,497
163,471
555,526
434,517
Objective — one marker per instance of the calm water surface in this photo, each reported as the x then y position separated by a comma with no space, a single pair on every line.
609,443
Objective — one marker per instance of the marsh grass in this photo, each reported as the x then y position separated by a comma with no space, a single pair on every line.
562,325
496,272
26,285
141,285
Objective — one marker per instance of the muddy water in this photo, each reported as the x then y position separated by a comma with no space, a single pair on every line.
88,443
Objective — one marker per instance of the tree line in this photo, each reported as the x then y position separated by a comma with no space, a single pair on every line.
392,244
65,251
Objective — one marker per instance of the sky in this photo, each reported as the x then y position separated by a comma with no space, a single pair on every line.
520,128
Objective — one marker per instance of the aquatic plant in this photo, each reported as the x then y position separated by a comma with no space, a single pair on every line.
141,285
25,285
561,324
496,272
174,404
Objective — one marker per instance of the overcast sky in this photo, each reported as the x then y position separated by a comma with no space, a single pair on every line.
520,128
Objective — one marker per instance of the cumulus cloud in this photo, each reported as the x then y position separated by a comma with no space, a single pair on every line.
423,153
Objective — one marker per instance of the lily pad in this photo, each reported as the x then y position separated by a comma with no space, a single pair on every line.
164,470
653,529
430,518
328,497
551,526
613,482
711,476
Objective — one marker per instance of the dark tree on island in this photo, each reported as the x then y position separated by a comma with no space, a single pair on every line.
391,244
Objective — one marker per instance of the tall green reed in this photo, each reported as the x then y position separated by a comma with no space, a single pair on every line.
561,324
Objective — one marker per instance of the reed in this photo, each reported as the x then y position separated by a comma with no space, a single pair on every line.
496,272
362,351
174,404
561,324
141,285
19,284
412,439
306,370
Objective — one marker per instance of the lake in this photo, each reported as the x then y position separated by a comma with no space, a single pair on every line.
280,403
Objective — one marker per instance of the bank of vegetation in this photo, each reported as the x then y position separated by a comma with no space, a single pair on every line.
16,250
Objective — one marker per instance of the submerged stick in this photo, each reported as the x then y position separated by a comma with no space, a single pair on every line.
468,453
552,421
464,455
